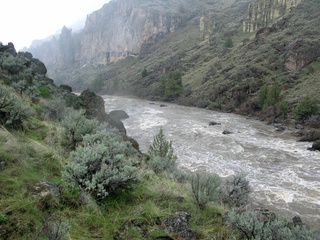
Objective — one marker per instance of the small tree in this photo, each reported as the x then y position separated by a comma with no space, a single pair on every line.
174,85
101,164
306,108
269,95
162,86
162,154
77,125
236,190
228,43
205,188
144,72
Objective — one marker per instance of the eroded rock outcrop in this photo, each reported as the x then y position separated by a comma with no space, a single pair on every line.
262,13
120,28
300,54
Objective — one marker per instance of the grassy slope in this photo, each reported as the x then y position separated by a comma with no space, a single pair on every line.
30,160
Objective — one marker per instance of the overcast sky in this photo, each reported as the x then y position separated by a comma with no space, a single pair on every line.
22,21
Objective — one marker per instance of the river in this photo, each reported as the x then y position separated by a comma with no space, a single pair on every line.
284,175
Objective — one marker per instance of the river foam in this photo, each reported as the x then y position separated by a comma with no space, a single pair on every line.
283,174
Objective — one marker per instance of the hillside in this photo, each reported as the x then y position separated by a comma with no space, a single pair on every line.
68,171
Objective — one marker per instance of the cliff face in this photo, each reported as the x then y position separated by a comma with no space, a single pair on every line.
262,13
120,28
115,31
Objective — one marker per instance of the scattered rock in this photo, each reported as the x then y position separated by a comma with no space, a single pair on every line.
178,224
279,127
212,123
133,142
45,188
93,104
66,88
118,114
297,221
226,132
310,136
315,146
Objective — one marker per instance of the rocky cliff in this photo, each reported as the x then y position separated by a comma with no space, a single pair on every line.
262,13
120,28
115,31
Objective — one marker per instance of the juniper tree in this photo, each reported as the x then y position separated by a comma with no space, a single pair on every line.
162,154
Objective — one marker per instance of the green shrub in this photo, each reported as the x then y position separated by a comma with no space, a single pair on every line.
236,190
252,226
44,91
33,93
20,86
247,223
101,165
12,64
228,43
144,72
205,187
269,95
3,218
174,85
162,154
73,101
284,107
306,108
77,125
53,227
162,86
12,109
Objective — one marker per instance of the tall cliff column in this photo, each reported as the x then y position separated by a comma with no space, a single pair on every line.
262,13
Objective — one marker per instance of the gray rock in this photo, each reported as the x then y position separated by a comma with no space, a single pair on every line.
315,146
297,221
179,224
226,132
118,114
213,123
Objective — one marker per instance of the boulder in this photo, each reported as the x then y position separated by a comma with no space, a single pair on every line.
118,114
213,123
66,88
226,132
93,104
279,127
310,136
178,223
297,221
38,67
315,146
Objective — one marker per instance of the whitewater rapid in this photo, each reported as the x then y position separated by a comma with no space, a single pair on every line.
284,175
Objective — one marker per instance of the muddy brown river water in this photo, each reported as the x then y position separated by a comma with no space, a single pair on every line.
284,175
